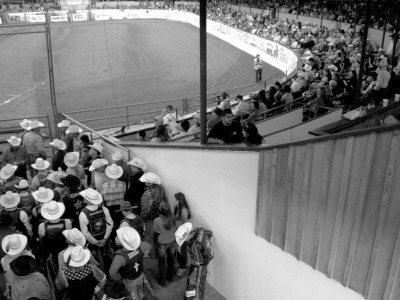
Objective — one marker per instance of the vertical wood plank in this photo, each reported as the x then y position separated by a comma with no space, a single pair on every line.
360,206
394,270
341,204
260,193
304,200
271,193
322,203
288,192
382,212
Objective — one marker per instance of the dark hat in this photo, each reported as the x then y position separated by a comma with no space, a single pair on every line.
115,290
24,265
71,181
126,205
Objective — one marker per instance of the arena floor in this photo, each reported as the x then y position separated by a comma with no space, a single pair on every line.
102,64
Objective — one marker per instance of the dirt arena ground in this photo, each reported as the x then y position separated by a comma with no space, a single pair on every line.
103,64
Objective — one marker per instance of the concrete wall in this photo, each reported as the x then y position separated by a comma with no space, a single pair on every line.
221,189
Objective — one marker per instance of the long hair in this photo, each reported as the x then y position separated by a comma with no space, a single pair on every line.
168,219
182,203
161,133
253,137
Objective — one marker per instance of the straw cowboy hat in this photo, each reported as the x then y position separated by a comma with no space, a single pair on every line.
58,144
73,129
98,163
150,177
182,233
34,124
14,244
129,238
43,195
10,199
41,164
92,196
71,159
114,171
76,256
64,123
118,155
75,236
138,163
126,205
52,210
14,141
56,177
96,146
22,184
7,171
25,123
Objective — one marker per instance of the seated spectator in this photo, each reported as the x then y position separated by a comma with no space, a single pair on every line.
215,118
160,135
141,136
251,135
226,132
241,109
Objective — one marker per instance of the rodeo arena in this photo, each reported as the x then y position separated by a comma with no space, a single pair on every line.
200,150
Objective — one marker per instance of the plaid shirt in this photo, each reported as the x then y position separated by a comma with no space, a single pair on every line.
34,144
113,192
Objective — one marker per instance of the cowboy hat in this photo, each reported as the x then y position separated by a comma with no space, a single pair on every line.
14,244
307,68
58,144
182,233
7,171
74,129
71,181
22,184
125,205
333,68
24,265
41,164
129,238
92,196
25,123
52,210
114,171
97,163
117,155
75,236
97,147
138,163
43,195
56,177
10,199
150,177
71,159
34,124
64,123
76,256
14,141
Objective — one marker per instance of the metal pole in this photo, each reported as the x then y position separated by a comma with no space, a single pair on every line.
364,45
322,11
298,5
355,19
396,35
51,74
203,71
386,8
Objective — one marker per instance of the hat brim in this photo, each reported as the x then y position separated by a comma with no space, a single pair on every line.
50,196
47,216
10,205
66,234
127,246
63,146
98,149
16,143
71,164
46,166
82,262
24,242
24,126
188,227
39,124
114,176
127,208
80,130
93,201
6,176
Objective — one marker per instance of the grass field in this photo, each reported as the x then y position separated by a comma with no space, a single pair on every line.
102,64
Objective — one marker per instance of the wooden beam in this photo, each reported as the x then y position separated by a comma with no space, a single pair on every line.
288,192
394,270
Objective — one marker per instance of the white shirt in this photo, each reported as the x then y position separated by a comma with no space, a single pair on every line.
257,63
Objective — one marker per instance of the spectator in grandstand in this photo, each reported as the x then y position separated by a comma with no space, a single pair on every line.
215,118
183,128
57,160
16,155
40,179
225,102
195,128
287,97
118,158
72,133
141,136
33,142
382,82
251,135
160,135
57,185
98,168
258,68
73,201
136,187
241,109
63,125
227,131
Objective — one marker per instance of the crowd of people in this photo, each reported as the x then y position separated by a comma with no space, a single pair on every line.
79,226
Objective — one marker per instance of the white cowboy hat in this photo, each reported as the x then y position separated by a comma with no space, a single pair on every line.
25,123
138,163
52,210
43,195
396,69
75,236
150,177
7,171
22,184
118,155
71,159
10,199
64,123
129,238
333,68
114,171
307,68
97,163
41,164
14,244
92,196
182,233
97,147
14,141
58,144
73,129
76,256
34,124
56,177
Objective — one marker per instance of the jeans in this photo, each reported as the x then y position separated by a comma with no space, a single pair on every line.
196,282
166,268
182,256
258,75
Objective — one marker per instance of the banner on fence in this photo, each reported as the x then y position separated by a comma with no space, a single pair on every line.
80,16
59,18
36,17
17,17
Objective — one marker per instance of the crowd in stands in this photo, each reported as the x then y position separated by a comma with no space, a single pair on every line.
79,227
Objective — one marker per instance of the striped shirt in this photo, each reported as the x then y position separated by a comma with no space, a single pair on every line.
34,144
113,192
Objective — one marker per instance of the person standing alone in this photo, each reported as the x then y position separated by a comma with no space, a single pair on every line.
258,68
